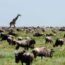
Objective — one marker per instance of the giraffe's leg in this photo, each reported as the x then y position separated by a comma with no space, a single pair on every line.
14,26
10,26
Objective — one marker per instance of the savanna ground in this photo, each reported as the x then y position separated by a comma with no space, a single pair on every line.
7,52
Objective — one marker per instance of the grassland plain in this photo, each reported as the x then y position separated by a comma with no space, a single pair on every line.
7,55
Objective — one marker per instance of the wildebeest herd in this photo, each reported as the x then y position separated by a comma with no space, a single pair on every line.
29,43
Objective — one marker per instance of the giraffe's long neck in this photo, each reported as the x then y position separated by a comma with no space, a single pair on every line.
15,19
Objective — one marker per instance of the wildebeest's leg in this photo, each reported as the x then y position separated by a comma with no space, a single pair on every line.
27,63
10,25
1,39
21,62
46,41
27,48
17,47
61,44
41,57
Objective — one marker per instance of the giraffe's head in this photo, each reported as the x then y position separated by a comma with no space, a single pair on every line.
18,15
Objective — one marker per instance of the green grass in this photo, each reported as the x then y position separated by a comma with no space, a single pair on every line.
7,55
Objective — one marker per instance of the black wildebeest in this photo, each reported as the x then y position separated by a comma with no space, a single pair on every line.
24,57
59,42
42,51
26,44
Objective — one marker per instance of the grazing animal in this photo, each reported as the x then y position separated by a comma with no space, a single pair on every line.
18,29
28,43
62,29
24,57
11,41
48,39
54,31
42,51
59,42
9,38
49,34
38,34
13,22
12,33
4,36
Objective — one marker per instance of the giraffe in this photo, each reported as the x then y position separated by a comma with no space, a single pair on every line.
13,22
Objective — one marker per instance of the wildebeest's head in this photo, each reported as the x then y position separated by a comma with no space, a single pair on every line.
51,52
32,42
35,53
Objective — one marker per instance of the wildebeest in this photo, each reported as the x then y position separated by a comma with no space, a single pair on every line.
18,29
26,43
24,57
11,41
59,42
48,39
8,37
54,31
12,33
4,36
50,34
37,34
42,51
62,29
